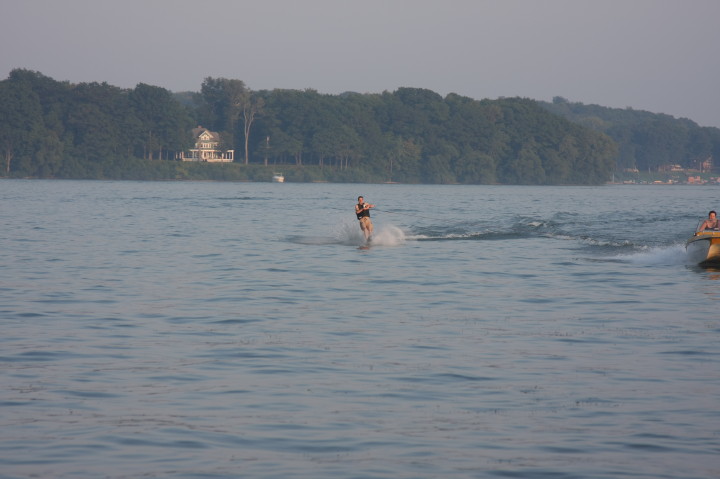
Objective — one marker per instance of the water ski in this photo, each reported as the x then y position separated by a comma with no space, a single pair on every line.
367,244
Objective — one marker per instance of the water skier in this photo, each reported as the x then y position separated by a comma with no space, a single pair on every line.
362,210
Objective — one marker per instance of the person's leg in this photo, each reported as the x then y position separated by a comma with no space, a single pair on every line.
366,227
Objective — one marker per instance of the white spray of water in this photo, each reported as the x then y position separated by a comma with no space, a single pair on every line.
383,235
388,235
347,233
661,255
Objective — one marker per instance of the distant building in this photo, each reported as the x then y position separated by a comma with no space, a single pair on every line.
706,165
207,148
666,168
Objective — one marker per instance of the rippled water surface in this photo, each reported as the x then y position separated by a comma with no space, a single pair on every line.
239,330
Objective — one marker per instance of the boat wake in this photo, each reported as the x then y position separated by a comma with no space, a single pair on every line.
656,255
601,244
494,231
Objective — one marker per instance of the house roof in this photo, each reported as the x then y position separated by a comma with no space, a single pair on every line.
199,131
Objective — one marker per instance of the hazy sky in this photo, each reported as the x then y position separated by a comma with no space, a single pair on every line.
656,55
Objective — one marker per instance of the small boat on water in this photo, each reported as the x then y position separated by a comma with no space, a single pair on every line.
278,178
704,247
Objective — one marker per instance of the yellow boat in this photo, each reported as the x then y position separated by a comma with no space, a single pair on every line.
704,247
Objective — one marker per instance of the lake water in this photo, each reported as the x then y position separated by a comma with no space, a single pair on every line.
192,329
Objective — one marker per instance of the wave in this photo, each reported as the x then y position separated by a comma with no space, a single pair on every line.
588,234
477,235
493,231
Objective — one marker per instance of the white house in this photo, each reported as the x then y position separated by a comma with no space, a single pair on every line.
207,148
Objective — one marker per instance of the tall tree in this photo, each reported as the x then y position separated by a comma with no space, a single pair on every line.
251,107
226,100
20,120
163,121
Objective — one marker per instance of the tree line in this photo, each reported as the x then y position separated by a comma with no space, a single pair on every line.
53,129
411,135
646,141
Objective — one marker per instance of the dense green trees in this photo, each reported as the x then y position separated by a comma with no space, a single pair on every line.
95,130
161,121
89,130
645,140
415,135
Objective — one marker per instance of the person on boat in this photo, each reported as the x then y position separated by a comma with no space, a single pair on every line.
711,223
362,210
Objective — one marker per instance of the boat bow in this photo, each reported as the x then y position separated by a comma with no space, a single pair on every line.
704,247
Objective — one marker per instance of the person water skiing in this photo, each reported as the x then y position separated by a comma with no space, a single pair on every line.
362,210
